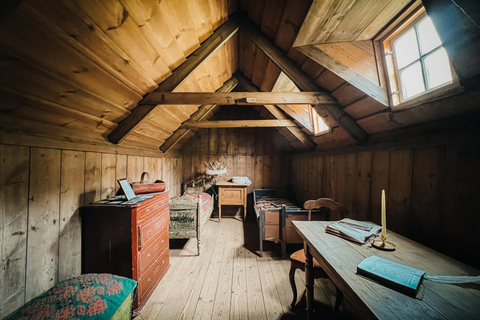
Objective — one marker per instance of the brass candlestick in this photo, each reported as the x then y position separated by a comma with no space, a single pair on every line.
383,244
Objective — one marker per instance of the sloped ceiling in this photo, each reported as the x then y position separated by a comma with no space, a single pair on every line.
71,71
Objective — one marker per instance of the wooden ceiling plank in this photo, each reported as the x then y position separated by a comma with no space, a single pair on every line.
267,123
201,17
303,81
156,28
382,19
178,19
322,16
350,75
200,115
129,53
239,98
70,28
212,44
272,16
179,75
357,19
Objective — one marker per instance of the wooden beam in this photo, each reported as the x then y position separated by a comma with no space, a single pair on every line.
241,124
276,112
238,98
351,76
178,76
302,80
181,132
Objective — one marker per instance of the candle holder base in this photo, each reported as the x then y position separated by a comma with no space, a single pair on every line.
383,245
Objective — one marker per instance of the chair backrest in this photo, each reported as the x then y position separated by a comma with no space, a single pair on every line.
332,206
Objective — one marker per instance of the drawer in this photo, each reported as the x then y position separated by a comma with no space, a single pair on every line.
233,196
153,250
272,217
152,206
272,232
153,275
150,229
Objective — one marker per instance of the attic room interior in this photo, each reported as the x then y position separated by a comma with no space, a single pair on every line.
226,120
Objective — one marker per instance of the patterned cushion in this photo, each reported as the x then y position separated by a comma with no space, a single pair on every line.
272,204
89,296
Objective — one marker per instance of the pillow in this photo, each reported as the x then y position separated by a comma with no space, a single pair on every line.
89,296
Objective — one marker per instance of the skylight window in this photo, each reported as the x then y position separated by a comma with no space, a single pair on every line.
417,62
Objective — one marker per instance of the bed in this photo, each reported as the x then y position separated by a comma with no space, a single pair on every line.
275,215
89,296
188,215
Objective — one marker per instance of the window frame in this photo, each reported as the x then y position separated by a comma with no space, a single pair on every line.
395,30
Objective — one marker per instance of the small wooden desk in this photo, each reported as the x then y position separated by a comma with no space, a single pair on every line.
339,258
233,194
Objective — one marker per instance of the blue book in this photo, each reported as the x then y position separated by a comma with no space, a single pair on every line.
391,274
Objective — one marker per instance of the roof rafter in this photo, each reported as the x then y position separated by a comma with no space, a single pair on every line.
276,112
302,80
199,115
178,76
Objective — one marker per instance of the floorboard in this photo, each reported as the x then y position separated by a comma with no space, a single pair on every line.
230,281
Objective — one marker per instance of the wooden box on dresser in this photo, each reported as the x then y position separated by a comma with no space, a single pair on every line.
128,240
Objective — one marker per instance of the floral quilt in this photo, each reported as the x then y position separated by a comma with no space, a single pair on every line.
89,296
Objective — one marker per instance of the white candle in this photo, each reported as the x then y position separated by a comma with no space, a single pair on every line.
384,215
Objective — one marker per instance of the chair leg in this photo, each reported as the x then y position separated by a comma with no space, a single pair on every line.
338,300
291,276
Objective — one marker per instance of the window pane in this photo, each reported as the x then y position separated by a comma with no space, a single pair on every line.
437,68
428,36
411,79
406,49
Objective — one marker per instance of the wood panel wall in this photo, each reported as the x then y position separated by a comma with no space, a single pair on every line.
432,192
261,154
41,190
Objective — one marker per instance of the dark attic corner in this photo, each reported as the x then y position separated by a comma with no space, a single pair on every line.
239,159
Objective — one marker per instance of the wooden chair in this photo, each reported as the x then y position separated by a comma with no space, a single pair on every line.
297,259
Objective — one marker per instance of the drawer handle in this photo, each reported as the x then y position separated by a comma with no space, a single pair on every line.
139,239
158,225
148,210
149,279
148,255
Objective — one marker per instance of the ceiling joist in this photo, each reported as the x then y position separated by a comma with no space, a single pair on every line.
238,98
277,113
178,76
264,123
200,115
302,80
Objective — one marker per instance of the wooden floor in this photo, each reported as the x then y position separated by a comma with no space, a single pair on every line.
230,281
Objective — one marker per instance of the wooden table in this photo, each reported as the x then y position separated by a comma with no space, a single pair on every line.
339,258
232,194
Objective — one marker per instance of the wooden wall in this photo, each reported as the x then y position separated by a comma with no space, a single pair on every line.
41,190
432,191
261,154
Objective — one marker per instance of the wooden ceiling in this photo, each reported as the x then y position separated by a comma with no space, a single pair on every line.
72,71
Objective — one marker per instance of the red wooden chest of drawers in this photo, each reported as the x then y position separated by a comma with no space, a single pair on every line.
128,240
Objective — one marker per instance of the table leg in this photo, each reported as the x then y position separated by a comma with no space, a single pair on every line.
219,212
309,281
